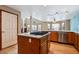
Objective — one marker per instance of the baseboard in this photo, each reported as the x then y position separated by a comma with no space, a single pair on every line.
8,46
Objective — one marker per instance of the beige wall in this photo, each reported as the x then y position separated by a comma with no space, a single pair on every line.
16,12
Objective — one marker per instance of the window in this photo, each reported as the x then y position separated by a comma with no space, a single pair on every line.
63,27
34,27
28,27
48,26
56,26
39,27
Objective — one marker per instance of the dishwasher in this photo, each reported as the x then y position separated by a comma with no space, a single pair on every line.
62,37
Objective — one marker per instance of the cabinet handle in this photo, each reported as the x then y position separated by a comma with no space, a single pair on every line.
30,40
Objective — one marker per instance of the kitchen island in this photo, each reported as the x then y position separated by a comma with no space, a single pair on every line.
30,43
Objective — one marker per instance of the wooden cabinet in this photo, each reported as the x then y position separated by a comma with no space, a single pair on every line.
70,37
23,43
25,46
64,37
34,44
0,32
28,45
76,41
53,36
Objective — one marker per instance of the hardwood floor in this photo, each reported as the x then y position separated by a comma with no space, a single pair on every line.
58,48
55,48
10,50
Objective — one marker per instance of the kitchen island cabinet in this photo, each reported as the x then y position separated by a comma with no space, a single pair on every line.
32,44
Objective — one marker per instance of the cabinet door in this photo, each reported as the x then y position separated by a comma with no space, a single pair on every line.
53,36
70,37
35,46
23,45
76,41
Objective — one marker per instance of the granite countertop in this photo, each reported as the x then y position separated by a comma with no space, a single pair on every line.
32,35
59,30
77,32
40,36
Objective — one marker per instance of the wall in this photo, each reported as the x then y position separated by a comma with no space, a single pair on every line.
67,25
16,12
44,25
75,21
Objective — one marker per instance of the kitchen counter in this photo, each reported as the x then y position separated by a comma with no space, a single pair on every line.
77,32
59,30
32,35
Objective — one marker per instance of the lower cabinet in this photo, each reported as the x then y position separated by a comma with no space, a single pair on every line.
34,46
23,45
70,37
53,36
27,45
64,37
76,41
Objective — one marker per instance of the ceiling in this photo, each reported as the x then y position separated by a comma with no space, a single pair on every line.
46,12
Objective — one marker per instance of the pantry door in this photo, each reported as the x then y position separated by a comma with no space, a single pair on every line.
9,29
13,29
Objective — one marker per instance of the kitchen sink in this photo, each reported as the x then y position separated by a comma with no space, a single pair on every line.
39,33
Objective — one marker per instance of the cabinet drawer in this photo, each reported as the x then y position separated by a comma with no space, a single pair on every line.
70,37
